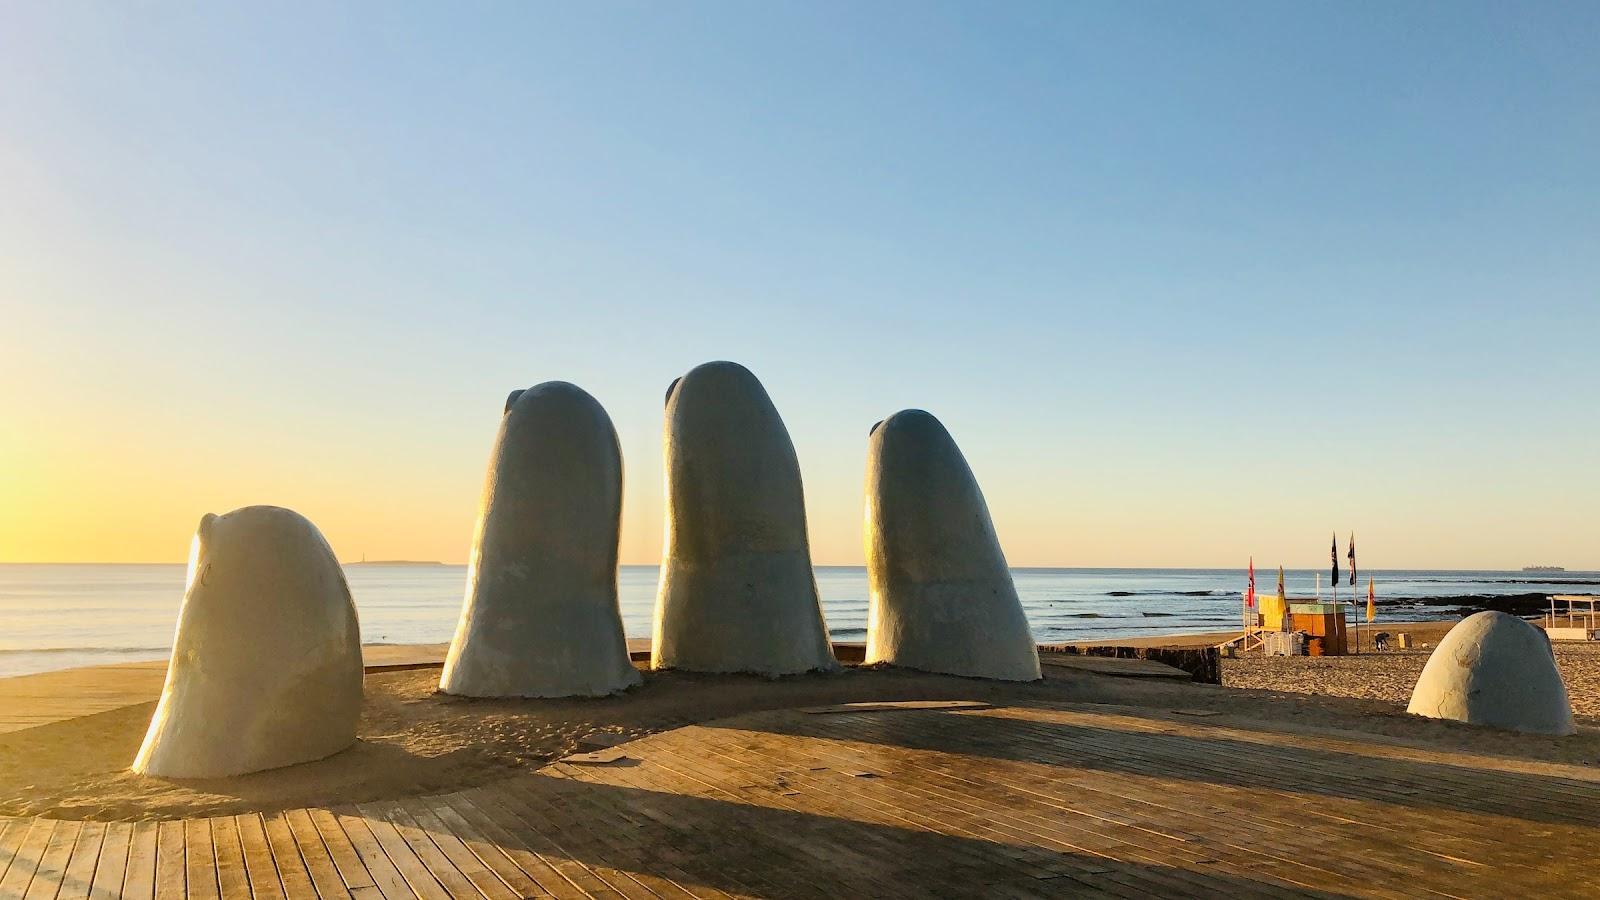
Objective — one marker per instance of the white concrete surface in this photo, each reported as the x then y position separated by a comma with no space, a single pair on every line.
540,616
1494,669
737,592
942,598
266,665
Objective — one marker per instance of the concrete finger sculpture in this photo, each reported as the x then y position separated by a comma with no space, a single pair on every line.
737,592
941,596
540,617
1494,669
266,664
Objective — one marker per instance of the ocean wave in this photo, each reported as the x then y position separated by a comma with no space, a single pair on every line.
1171,593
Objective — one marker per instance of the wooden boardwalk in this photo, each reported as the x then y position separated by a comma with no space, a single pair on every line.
27,701
886,802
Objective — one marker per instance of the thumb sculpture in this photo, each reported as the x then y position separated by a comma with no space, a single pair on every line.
737,591
266,664
1494,669
941,595
540,618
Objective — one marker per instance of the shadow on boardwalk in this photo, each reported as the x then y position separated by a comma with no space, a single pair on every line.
762,850
1157,746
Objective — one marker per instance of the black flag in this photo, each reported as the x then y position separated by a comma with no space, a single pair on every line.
1334,554
1352,555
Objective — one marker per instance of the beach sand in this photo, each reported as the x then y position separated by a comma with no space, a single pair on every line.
1388,677
415,741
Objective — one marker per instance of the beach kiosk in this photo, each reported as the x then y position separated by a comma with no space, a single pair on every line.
1324,627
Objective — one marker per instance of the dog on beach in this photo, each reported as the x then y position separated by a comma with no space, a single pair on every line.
1381,640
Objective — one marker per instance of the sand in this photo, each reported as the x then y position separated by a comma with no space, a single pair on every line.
415,741
1389,676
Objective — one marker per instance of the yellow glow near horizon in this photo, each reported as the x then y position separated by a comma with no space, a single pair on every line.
66,500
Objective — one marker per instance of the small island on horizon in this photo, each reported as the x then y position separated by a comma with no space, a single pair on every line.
394,562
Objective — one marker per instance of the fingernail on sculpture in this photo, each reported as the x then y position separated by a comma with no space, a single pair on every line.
1494,669
266,664
737,591
540,617
941,599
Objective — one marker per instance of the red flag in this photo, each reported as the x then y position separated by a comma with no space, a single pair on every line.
1250,597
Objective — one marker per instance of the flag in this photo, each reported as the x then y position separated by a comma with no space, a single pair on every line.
1372,605
1250,596
1352,556
1334,554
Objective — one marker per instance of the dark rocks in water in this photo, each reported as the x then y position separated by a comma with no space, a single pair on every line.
1514,604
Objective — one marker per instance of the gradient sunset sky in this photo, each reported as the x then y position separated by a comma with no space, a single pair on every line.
1187,282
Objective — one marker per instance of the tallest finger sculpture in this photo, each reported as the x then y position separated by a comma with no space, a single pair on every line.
737,592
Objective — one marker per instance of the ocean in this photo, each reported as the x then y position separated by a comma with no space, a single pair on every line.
62,616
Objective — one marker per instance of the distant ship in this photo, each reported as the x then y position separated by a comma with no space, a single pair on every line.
1543,569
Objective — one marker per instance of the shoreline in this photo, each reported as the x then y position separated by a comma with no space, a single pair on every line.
42,698
380,654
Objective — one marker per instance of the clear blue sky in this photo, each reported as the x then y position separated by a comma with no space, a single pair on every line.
1187,281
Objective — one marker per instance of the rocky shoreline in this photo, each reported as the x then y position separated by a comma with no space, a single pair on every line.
1530,604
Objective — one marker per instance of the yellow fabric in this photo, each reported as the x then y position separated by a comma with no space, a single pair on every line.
1272,610
1372,607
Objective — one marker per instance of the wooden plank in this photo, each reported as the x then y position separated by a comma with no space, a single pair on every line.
558,843
139,881
385,875
399,853
12,832
534,834
700,836
785,855
674,843
200,860
509,840
857,855
616,826
484,848
233,881
352,871
895,706
292,869
1001,817
438,865
113,863
819,795
46,882
319,863
171,871
261,870
1115,666
455,850
26,860
79,876
995,815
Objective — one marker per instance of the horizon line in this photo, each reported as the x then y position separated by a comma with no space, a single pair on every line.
1152,568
